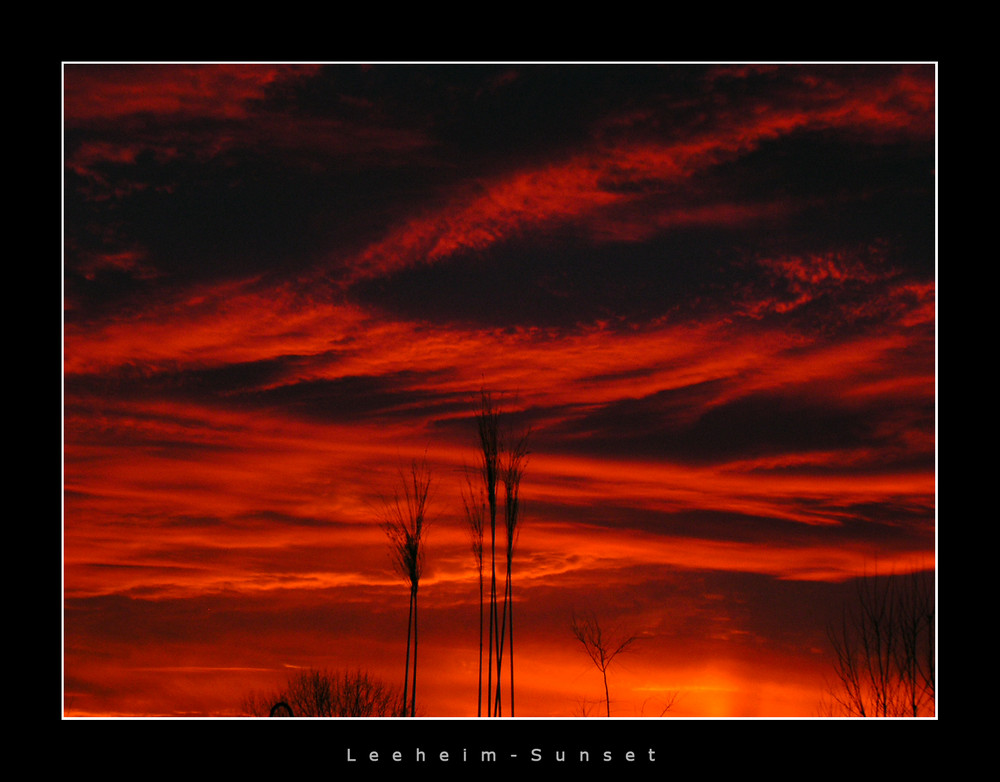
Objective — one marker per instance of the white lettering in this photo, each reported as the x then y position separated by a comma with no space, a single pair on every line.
490,756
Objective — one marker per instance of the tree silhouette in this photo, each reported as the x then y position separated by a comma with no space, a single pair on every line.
884,649
404,518
320,693
602,648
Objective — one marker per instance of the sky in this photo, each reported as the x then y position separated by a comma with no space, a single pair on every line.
708,290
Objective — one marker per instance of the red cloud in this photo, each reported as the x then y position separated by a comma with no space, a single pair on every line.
94,92
617,178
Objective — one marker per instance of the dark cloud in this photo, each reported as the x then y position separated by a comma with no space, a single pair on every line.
271,384
359,398
478,113
835,524
663,426
558,280
275,192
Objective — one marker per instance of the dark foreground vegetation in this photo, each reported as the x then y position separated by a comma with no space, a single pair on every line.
310,693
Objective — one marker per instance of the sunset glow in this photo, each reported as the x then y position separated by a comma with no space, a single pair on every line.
709,291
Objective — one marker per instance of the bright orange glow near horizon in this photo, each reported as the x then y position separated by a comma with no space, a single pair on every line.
709,292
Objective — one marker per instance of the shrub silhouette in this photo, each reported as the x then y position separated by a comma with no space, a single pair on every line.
321,693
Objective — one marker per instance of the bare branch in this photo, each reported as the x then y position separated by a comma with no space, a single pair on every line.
601,648
883,649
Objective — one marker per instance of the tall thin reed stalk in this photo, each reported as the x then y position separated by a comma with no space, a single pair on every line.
475,512
514,457
489,445
404,519
502,460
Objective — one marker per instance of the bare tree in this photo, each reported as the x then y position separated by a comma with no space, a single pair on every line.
884,649
404,519
601,647
318,693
